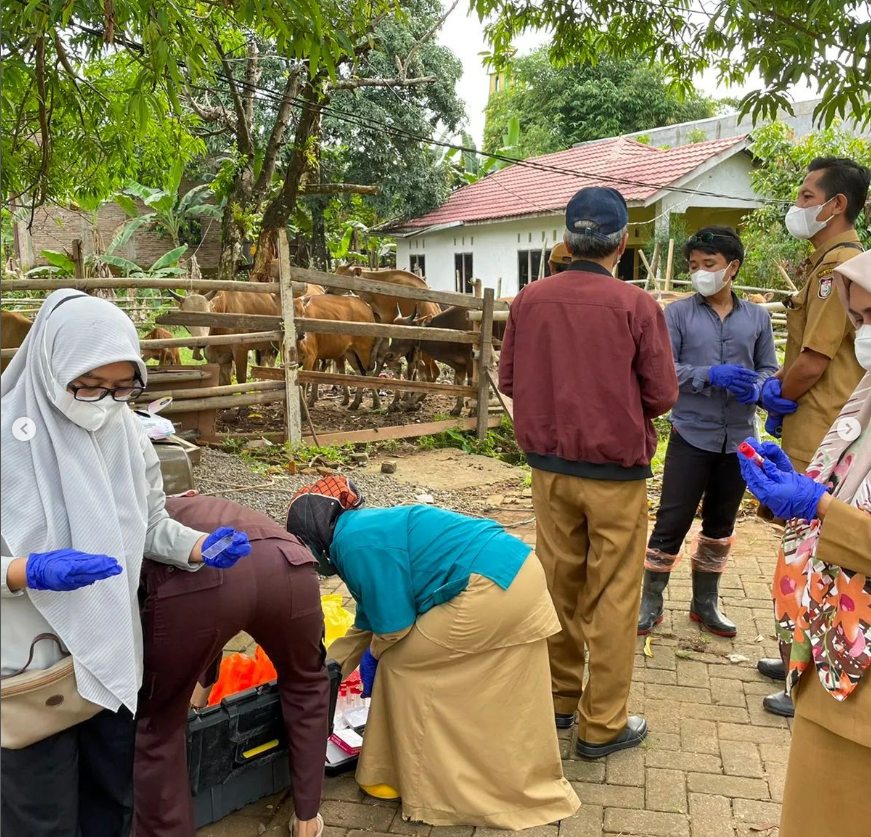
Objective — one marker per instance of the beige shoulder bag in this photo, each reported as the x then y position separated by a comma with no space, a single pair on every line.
37,704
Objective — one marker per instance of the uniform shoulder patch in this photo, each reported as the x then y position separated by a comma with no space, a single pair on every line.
826,285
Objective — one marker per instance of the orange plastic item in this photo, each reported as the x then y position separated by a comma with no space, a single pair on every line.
240,672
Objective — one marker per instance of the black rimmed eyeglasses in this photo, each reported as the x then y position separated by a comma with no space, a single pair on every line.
92,394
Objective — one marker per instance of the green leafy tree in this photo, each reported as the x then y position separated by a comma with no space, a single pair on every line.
94,138
825,43
559,106
782,164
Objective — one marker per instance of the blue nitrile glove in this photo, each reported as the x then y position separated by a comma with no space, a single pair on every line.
239,548
738,380
68,569
751,395
787,493
368,667
774,425
773,400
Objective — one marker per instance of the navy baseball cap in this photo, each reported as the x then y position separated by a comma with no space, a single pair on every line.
597,211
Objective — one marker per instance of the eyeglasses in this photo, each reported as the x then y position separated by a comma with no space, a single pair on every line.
92,394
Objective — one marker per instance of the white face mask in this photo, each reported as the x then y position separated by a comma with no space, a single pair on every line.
89,415
863,347
707,282
803,223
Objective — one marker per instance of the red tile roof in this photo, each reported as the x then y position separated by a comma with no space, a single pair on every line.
521,190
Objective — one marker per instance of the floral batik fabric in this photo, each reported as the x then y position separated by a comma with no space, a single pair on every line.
823,610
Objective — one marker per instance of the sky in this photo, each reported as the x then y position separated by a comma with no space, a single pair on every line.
464,34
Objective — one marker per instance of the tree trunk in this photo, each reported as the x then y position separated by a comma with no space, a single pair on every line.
320,256
241,202
281,208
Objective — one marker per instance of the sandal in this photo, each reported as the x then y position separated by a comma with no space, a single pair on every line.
318,833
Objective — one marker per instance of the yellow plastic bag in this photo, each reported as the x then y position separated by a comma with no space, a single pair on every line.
337,620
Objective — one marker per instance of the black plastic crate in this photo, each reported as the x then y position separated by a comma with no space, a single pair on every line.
237,751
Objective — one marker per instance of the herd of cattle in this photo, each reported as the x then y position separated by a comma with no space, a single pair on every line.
365,355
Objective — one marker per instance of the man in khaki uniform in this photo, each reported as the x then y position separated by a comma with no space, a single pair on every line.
820,371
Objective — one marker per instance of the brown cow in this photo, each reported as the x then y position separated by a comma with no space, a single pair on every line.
164,357
314,348
456,355
195,304
13,330
383,305
241,302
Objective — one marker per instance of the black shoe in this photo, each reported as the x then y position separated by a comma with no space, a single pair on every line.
564,721
779,704
772,668
633,734
651,601
705,608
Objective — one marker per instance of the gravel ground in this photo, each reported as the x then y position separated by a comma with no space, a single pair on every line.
219,471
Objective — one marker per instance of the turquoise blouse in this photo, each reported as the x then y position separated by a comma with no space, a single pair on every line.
401,562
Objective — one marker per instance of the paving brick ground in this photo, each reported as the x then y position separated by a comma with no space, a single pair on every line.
713,765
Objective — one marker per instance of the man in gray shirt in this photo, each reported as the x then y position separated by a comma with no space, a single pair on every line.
723,350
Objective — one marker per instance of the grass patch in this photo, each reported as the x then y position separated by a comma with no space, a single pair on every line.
498,444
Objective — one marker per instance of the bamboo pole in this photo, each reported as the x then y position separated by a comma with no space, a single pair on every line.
498,316
224,402
362,284
669,265
208,392
290,361
477,286
180,283
484,355
213,340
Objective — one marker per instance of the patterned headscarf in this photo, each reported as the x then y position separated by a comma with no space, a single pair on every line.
822,609
314,511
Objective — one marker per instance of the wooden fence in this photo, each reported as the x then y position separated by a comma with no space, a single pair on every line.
282,384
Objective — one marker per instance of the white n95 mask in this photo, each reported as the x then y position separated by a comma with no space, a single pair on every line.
707,282
863,347
89,415
803,223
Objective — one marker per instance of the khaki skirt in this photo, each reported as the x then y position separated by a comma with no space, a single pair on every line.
461,722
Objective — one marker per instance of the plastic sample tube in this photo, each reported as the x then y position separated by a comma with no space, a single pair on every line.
217,548
747,450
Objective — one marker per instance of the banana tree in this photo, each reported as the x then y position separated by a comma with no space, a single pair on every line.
173,214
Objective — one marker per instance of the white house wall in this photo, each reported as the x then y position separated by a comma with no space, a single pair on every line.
730,177
494,247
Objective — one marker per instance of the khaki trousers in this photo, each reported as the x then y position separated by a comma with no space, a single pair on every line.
461,721
591,537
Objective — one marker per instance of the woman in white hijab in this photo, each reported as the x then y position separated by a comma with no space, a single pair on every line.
822,600
81,502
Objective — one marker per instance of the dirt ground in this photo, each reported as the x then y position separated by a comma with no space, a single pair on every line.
329,416
714,764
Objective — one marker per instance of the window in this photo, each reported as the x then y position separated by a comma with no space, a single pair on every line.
529,266
418,264
463,273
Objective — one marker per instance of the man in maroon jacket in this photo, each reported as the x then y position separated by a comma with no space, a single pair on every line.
588,362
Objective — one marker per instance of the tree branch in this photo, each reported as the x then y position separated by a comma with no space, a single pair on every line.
243,128
211,113
253,71
338,189
426,36
276,138
356,83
